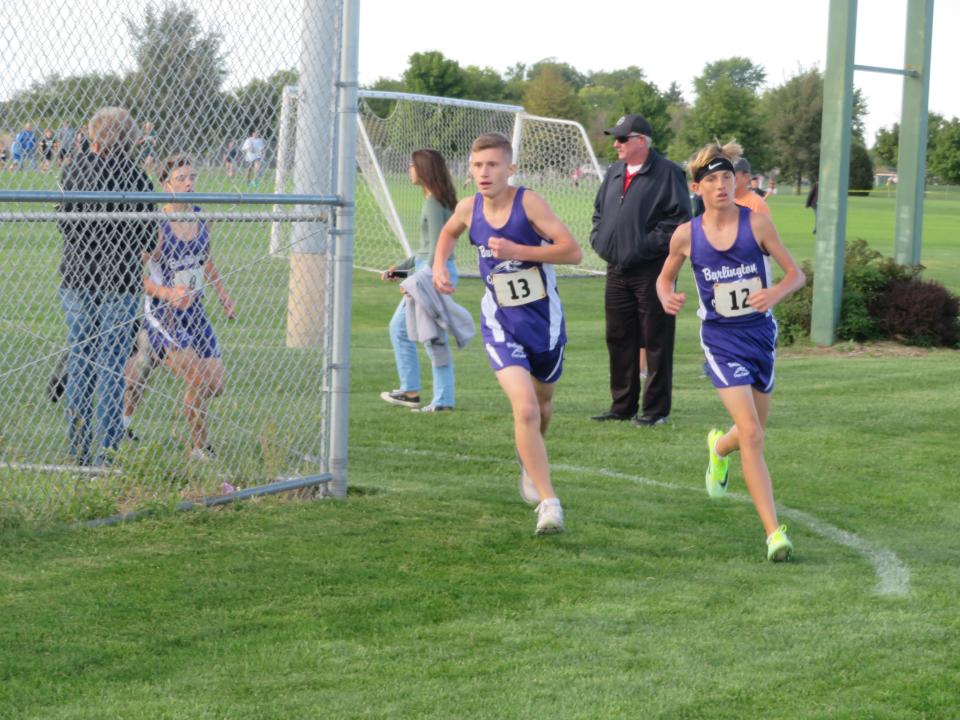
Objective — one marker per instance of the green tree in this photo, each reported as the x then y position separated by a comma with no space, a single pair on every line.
383,108
738,71
180,70
794,118
55,99
570,74
861,169
256,106
858,112
430,73
599,104
944,156
887,145
616,79
550,94
635,97
727,107
678,108
645,98
515,83
483,84
793,115
674,95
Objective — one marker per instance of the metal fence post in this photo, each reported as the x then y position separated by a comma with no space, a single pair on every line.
343,247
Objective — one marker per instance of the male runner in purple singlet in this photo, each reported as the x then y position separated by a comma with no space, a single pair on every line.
730,249
519,239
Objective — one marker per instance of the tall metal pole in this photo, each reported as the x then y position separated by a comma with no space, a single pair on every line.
834,171
313,170
912,158
342,237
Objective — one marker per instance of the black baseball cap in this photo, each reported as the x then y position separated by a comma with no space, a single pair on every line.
742,165
630,125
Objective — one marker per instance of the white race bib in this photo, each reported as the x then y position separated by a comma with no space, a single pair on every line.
730,299
191,277
518,288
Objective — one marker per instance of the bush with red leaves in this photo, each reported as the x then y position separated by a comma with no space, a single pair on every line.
918,312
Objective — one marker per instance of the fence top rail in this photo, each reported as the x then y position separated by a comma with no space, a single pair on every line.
247,216
59,196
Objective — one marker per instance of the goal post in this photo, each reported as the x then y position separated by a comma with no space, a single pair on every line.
553,157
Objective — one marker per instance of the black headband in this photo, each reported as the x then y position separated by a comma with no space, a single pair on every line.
715,165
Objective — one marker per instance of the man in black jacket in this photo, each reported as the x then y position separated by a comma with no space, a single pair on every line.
101,284
642,200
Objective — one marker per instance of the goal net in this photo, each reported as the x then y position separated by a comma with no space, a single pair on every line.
553,157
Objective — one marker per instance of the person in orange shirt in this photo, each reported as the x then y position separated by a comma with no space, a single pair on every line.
743,191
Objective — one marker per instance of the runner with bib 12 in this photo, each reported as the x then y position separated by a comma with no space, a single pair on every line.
730,249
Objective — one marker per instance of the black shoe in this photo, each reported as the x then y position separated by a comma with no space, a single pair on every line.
649,420
610,415
399,397
58,380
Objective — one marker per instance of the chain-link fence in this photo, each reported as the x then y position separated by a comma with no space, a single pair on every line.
553,157
152,349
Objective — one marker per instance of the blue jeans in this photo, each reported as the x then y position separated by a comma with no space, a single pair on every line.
405,353
100,336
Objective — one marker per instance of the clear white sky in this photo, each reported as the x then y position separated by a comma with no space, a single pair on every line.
670,41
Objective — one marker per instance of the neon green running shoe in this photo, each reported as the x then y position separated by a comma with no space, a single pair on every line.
779,547
718,468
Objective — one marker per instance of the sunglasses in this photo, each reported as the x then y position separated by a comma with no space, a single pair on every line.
623,139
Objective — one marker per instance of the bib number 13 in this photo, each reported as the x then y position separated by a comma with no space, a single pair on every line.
518,288
730,299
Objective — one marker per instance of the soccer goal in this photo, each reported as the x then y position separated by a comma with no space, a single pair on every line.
553,157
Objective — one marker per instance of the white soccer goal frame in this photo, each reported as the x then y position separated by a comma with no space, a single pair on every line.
373,173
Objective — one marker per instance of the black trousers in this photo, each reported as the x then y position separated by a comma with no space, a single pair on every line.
635,319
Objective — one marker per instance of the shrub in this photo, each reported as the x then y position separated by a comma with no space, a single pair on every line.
881,299
856,322
918,312
793,314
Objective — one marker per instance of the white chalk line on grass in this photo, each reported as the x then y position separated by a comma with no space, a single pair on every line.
893,575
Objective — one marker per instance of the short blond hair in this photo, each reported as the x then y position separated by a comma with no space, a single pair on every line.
113,131
709,152
491,141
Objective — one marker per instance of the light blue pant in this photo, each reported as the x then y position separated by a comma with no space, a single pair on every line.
405,353
99,330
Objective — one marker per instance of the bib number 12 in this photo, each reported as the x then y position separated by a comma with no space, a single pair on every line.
730,299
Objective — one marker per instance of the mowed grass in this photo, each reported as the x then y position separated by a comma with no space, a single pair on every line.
425,593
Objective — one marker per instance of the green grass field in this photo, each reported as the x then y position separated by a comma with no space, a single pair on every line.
426,595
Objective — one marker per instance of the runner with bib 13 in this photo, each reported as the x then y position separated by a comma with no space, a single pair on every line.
518,239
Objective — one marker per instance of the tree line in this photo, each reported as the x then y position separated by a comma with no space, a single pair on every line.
180,72
779,127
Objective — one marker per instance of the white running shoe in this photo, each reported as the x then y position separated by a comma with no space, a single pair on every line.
549,517
528,491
